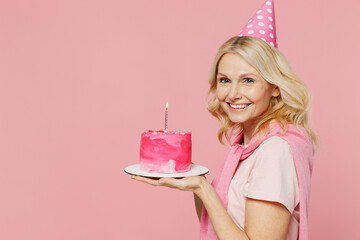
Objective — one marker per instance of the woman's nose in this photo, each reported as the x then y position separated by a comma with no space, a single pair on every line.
235,92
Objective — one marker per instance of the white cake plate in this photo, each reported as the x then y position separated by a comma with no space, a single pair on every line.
195,170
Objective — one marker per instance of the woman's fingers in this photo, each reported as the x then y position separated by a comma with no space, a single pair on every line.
167,182
185,184
154,182
171,182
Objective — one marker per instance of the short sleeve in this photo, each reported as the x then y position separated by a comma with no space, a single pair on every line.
273,177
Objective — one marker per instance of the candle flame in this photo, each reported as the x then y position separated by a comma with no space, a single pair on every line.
167,105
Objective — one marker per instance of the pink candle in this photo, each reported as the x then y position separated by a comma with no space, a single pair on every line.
166,117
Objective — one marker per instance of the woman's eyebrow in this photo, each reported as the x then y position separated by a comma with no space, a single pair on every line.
242,75
221,74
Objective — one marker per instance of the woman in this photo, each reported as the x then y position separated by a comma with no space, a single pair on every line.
262,189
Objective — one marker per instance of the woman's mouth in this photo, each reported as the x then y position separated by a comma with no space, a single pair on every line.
238,107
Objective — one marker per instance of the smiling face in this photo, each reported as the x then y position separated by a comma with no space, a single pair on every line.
242,92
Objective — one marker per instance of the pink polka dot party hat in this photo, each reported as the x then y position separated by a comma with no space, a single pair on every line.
262,24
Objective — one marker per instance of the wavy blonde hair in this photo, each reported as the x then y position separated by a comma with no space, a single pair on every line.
291,106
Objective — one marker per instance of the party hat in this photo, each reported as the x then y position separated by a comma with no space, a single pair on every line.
262,24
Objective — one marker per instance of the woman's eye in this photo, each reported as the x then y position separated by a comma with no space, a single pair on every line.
223,80
248,80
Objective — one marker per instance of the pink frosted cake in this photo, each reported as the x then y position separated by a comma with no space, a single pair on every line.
165,152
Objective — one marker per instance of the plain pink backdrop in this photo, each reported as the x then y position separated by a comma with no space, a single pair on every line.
80,80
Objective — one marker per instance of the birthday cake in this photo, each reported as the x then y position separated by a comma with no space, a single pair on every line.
165,152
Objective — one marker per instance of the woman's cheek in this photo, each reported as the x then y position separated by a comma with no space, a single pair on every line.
255,95
221,93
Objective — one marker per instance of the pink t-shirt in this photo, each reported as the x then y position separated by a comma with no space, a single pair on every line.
267,174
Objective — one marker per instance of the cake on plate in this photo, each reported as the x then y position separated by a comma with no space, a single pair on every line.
165,151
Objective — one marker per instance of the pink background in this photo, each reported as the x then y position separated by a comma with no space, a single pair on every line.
80,80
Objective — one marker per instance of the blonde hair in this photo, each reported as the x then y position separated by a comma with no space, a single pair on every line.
291,106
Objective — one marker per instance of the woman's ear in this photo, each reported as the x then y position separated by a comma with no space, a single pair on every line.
276,91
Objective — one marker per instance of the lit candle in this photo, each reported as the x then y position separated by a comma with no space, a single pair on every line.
166,117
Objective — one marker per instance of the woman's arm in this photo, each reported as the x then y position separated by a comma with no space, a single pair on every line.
263,219
223,224
266,220
198,206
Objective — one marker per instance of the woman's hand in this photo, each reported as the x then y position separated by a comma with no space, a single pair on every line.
192,183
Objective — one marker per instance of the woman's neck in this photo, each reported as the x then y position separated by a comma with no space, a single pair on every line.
246,138
248,133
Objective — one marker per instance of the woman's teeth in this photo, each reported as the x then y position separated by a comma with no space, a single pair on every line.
239,106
